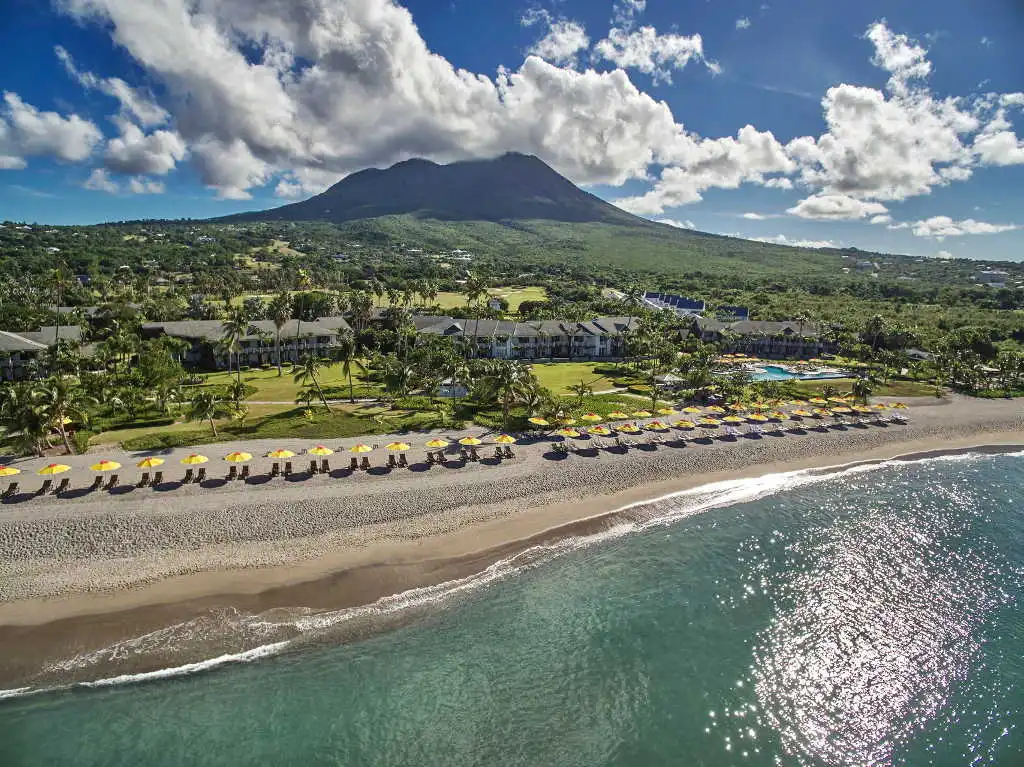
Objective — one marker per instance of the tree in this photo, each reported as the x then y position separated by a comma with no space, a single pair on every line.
22,420
348,354
280,311
508,382
206,406
308,374
861,390
236,328
62,401
582,390
398,376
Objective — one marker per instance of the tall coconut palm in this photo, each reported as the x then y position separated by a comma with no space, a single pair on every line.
308,374
62,401
280,311
348,354
235,328
508,381
21,419
207,407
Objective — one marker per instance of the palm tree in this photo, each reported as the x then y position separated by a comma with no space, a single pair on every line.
236,327
307,375
861,390
280,311
348,353
582,390
398,376
508,381
21,419
61,401
633,298
207,407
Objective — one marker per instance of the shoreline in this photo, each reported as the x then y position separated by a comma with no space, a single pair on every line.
407,554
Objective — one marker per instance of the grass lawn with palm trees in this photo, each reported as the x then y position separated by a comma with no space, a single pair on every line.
270,387
559,376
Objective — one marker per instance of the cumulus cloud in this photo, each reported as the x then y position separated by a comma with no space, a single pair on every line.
624,12
997,144
133,101
882,219
944,226
137,153
27,132
646,51
945,254
564,39
755,217
781,239
101,181
742,23
836,207
139,185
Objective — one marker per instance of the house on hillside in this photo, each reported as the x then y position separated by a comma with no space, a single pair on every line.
773,340
298,339
681,306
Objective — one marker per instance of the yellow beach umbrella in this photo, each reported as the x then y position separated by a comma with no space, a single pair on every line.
505,439
797,402
281,454
629,428
54,468
150,463
861,409
106,466
591,417
778,415
820,413
8,471
600,431
437,444
194,459
398,447
642,414
709,422
321,451
818,401
567,433
238,457
737,406
838,400
716,409
879,406
471,441
360,448
656,426
667,411
618,415
842,409
898,405
760,406
803,413
685,425
535,421
733,419
758,417
692,410
567,421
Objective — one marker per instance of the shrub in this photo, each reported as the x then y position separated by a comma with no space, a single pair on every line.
81,440
642,389
166,440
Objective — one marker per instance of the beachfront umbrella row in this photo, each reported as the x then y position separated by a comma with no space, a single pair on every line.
840,405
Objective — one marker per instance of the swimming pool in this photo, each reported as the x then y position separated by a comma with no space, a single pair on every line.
776,373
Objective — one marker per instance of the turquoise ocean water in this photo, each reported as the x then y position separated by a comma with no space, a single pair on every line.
868,618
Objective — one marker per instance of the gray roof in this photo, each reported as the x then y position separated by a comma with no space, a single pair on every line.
488,328
48,335
13,342
213,330
758,327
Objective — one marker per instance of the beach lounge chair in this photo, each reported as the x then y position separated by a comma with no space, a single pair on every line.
431,460
473,454
114,481
158,479
190,477
288,469
232,474
464,455
392,463
64,485
201,476
365,464
353,464
508,452
325,466
498,453
275,470
245,473
403,462
314,467
96,484
144,482
11,490
441,457
47,484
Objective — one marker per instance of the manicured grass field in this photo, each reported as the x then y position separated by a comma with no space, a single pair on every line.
559,376
273,388
891,389
515,296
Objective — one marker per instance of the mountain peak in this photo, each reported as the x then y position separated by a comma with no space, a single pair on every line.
510,187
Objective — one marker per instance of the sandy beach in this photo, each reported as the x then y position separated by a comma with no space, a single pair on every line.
82,573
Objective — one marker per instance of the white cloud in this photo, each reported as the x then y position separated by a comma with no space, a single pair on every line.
140,185
881,219
743,23
779,182
646,51
836,207
986,41
997,144
677,224
133,101
26,132
756,216
899,55
136,153
944,226
563,41
100,181
944,254
781,239
625,11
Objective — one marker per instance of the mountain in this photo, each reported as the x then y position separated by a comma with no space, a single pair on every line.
513,187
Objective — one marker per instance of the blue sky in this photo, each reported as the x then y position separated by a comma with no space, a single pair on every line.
889,126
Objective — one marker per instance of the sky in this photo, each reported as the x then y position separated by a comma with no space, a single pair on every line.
891,126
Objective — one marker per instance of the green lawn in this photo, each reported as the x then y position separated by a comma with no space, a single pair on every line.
559,376
273,388
892,389
515,295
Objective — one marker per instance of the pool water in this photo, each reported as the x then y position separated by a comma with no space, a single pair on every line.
776,373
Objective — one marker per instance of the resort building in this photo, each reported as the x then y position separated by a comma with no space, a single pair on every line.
681,306
298,339
772,340
20,351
